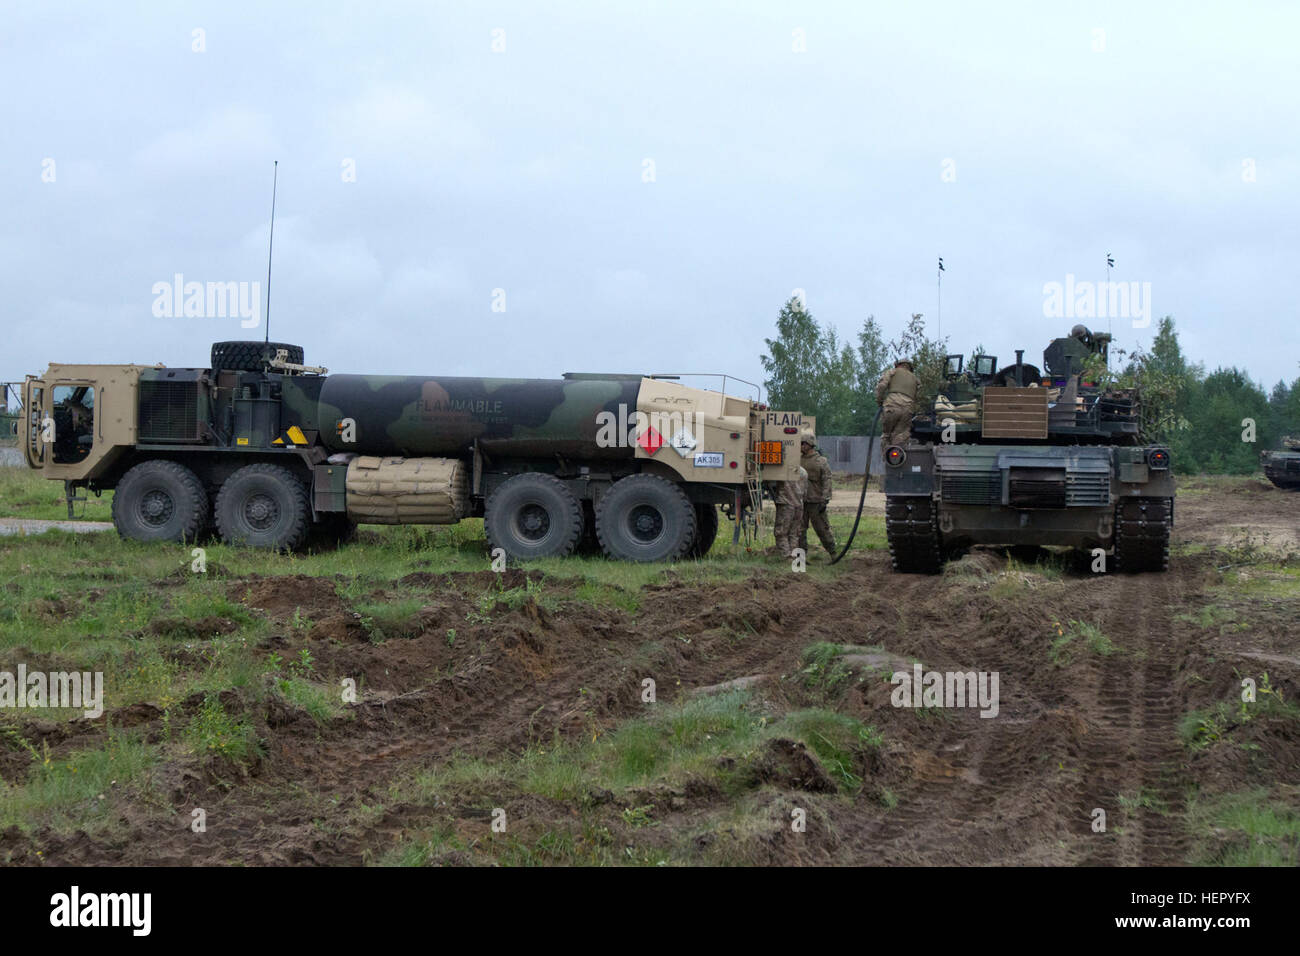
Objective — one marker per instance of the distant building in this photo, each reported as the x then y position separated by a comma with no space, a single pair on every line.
847,454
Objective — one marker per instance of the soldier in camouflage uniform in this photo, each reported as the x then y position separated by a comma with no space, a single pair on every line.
817,497
897,393
789,513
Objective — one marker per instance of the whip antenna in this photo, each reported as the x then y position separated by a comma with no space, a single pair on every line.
270,249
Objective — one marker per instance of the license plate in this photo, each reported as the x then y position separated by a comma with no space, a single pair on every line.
708,459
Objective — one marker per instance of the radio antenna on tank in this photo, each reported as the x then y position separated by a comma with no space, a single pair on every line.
275,179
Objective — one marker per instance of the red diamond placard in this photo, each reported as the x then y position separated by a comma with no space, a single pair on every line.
650,441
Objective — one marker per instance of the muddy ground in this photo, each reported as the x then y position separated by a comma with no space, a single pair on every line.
1078,729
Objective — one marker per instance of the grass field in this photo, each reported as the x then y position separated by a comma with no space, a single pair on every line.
506,718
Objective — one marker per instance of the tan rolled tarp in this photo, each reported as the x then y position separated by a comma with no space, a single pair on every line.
964,412
407,490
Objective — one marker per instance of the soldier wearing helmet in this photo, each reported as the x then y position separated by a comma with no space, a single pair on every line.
897,393
817,496
788,496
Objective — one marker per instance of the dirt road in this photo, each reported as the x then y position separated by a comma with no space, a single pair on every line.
22,526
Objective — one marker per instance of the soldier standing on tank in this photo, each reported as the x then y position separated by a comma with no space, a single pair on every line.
789,512
817,497
897,393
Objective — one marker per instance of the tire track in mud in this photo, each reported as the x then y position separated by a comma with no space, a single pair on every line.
1130,755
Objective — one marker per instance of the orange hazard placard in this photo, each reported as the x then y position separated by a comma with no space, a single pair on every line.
768,452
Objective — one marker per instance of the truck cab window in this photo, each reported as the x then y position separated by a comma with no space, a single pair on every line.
74,422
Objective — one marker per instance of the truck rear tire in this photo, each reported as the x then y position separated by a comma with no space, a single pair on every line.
706,530
160,501
263,506
645,518
533,515
250,356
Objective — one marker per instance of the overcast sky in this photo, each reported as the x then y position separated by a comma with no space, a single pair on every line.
647,182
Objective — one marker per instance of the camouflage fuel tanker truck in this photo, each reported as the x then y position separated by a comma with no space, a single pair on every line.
1023,456
267,450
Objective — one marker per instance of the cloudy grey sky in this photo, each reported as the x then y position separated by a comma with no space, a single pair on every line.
1015,140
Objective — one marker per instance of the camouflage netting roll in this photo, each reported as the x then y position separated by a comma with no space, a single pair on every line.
407,490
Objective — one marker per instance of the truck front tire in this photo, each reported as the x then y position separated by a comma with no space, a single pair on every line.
533,515
160,501
263,506
645,518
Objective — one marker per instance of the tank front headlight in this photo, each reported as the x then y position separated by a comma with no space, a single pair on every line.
895,456
1158,459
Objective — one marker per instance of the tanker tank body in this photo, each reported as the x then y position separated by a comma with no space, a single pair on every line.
551,465
518,418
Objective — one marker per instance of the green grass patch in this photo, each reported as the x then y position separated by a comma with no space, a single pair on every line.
1075,637
72,792
213,730
1250,828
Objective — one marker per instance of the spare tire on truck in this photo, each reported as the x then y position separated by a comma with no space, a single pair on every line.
645,518
250,356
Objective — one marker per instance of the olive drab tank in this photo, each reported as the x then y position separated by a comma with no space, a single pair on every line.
1282,467
1020,455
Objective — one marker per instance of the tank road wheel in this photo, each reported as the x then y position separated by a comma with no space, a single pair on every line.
250,356
706,530
264,506
912,527
645,518
1142,534
533,516
160,501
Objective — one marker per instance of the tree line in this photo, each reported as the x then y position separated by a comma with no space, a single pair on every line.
1214,422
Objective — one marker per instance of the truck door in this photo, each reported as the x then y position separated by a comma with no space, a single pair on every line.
72,410
29,431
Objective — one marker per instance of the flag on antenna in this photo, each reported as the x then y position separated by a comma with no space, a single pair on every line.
941,268
1110,260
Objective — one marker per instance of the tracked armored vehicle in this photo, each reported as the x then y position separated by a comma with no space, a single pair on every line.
268,450
1282,467
1022,456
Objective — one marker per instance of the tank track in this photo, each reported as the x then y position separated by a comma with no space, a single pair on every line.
1142,527
912,526
1281,479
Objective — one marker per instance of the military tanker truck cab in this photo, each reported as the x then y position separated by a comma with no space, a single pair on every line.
265,451
1021,456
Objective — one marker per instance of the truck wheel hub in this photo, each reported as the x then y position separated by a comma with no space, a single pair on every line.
261,511
646,523
534,522
156,507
